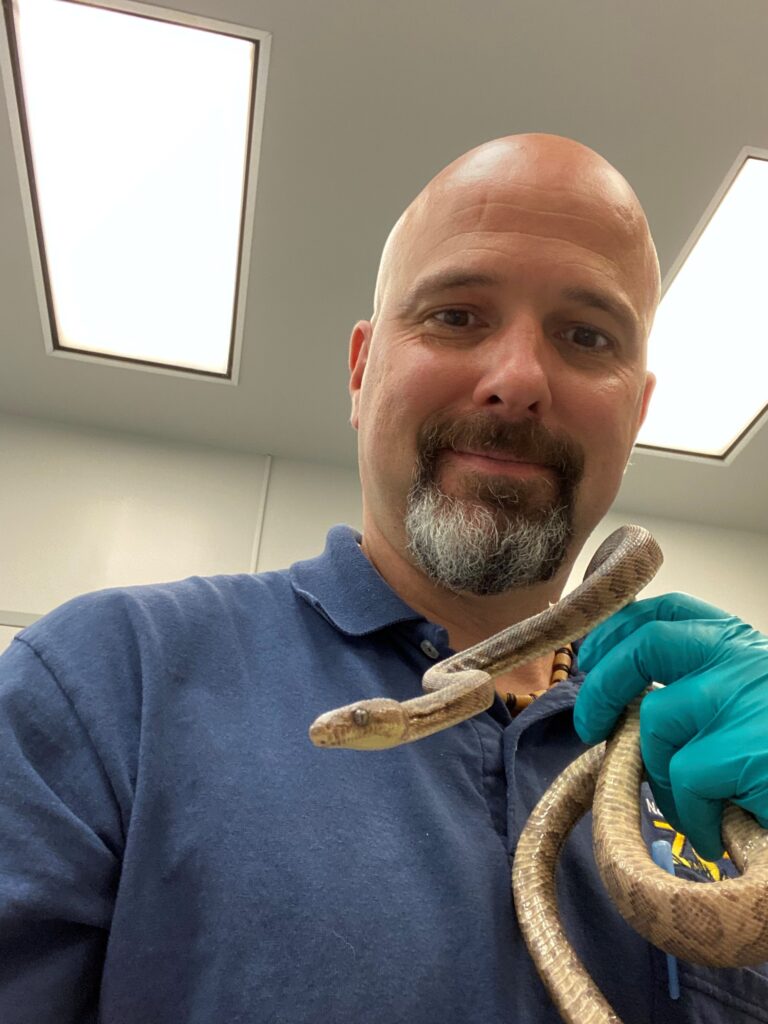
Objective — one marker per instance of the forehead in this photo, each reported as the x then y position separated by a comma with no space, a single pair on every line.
526,227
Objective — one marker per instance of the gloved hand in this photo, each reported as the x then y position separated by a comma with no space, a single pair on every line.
704,738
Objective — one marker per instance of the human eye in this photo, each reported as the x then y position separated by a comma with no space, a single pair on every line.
588,338
451,317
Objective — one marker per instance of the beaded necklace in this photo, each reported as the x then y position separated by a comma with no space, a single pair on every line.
561,667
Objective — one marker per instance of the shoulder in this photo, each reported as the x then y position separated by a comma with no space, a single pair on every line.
154,607
126,631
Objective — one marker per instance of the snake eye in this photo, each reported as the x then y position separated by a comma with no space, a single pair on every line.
360,716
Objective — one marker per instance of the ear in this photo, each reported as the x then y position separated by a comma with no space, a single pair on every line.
359,345
650,384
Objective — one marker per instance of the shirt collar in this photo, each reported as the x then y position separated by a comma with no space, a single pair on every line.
346,589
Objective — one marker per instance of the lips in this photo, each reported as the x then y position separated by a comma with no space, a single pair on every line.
500,457
501,463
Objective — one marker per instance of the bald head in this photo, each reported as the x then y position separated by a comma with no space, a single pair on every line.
533,172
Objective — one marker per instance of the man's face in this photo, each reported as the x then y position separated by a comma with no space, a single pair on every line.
507,358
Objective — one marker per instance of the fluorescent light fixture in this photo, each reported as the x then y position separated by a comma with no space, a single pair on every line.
709,343
139,134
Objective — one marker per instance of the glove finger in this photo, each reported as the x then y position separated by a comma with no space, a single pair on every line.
657,651
700,816
670,718
666,607
731,763
667,722
700,821
673,719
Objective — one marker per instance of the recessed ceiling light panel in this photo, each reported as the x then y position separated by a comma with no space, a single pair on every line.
138,132
709,343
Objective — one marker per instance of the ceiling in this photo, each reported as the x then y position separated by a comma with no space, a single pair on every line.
366,100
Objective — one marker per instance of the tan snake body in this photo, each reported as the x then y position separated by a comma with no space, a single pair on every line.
717,924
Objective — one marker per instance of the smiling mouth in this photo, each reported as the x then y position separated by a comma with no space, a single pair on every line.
501,463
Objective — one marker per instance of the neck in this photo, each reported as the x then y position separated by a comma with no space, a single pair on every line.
468,618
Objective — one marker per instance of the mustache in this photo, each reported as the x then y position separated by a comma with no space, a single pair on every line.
527,441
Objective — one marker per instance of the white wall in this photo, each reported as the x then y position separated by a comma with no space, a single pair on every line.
82,510
303,501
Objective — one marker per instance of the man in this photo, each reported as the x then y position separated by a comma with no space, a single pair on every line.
174,848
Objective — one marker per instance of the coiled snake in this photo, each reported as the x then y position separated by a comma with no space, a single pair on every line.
717,924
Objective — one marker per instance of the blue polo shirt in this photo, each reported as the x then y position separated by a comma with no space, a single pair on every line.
173,848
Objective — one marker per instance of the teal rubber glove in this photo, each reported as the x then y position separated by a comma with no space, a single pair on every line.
704,735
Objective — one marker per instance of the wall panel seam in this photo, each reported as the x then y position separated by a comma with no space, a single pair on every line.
259,531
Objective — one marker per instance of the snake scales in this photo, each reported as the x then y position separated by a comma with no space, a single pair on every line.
717,924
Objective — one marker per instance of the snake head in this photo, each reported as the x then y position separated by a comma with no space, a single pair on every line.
365,725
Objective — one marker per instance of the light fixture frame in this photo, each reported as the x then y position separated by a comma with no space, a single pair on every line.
761,417
12,80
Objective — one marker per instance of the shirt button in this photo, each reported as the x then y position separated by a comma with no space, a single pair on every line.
429,649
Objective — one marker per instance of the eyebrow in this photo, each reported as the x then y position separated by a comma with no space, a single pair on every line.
444,282
450,280
615,307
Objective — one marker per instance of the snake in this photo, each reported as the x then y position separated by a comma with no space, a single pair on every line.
718,924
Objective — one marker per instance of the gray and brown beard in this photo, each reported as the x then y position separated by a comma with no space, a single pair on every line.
501,533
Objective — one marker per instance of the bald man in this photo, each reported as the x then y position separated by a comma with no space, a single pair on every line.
175,849
505,359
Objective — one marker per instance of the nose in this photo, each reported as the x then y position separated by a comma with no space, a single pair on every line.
515,371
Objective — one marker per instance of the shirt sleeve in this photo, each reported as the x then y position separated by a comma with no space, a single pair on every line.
60,847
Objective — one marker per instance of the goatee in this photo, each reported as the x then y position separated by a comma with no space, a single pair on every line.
502,533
